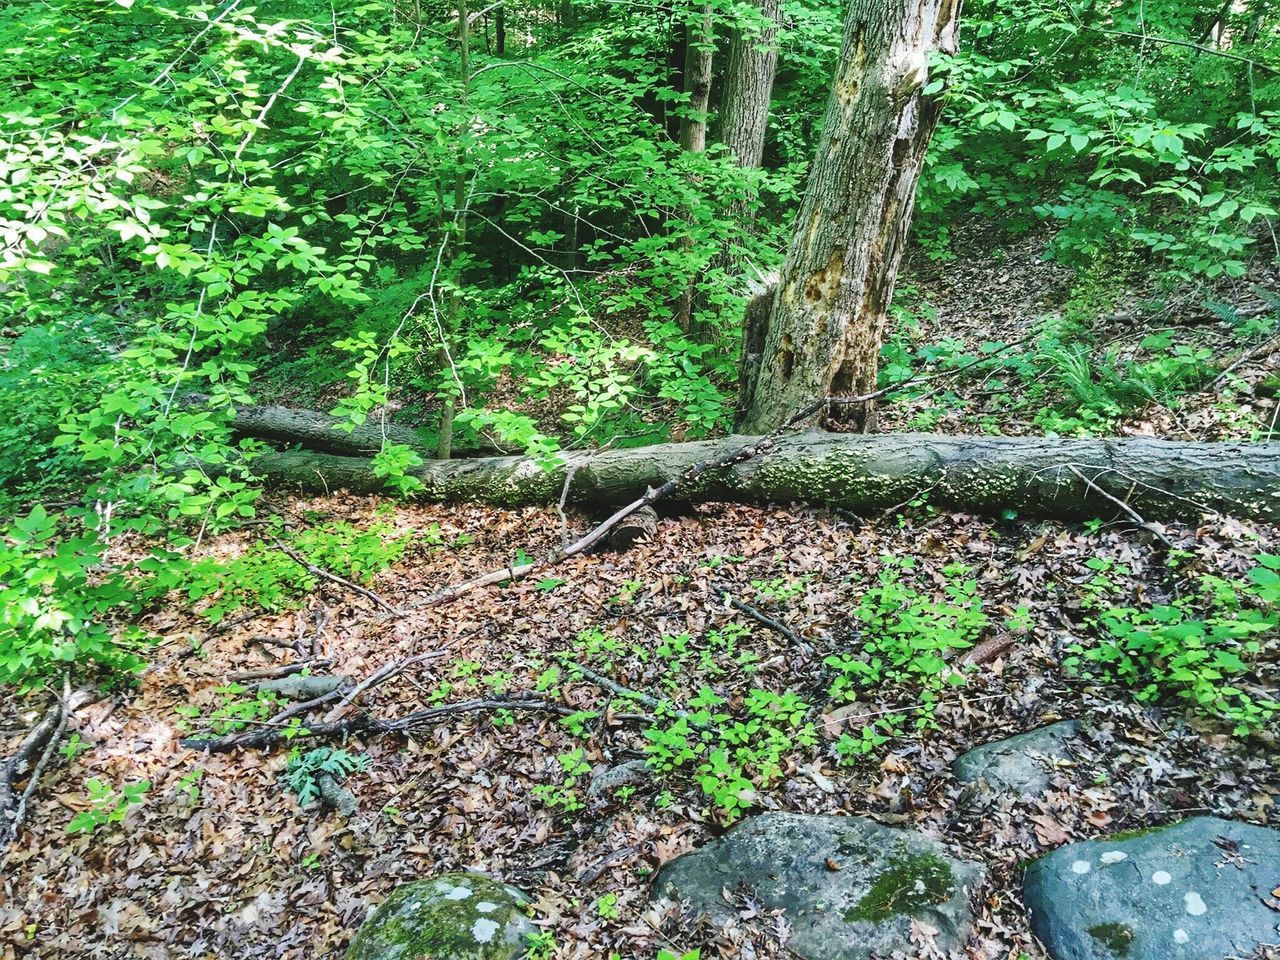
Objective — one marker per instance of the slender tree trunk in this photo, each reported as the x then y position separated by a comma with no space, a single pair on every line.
753,61
744,109
500,30
828,309
698,50
699,46
445,448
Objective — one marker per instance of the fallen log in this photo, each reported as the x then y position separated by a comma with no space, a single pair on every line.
318,431
313,430
1031,476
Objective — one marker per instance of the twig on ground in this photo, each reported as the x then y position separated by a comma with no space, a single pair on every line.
1133,514
377,677
1239,361
39,744
333,577
612,686
363,723
589,877
269,733
283,670
763,619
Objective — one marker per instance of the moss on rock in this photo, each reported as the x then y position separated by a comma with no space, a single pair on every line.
1116,937
910,883
456,916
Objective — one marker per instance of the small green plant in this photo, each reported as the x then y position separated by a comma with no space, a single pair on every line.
908,634
189,783
732,756
607,907
305,770
73,748
540,945
107,805
236,711
265,578
1200,647
565,795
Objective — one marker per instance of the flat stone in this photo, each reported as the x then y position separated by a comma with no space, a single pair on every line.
848,886
1021,764
455,916
1192,891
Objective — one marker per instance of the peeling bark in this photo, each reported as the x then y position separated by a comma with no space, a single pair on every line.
829,309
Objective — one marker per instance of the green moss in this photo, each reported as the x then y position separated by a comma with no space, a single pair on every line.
1116,937
910,883
421,921
1138,832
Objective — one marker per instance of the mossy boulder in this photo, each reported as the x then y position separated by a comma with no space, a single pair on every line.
455,916
1202,889
848,886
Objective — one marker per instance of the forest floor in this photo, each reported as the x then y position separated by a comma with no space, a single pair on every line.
221,860
1206,349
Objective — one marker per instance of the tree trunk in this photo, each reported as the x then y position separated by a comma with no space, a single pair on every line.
753,61
444,449
1033,476
698,49
699,46
828,310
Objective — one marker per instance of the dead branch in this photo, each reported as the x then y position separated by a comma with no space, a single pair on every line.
364,723
333,577
39,746
379,676
612,686
761,618
1133,514
283,670
266,735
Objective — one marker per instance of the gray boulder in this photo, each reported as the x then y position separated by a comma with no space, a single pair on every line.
848,886
455,916
1199,890
1021,764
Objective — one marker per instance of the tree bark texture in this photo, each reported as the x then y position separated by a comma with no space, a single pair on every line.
698,50
1035,477
828,309
753,61
317,431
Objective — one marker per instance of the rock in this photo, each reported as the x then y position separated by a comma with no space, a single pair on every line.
624,774
849,887
298,687
455,916
1020,764
1194,891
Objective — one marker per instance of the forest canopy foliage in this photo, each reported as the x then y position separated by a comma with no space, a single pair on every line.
358,204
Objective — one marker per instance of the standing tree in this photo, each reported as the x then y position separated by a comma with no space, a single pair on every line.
818,332
753,61
699,49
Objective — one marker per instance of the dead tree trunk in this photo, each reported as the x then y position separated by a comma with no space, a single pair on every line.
1036,477
828,310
